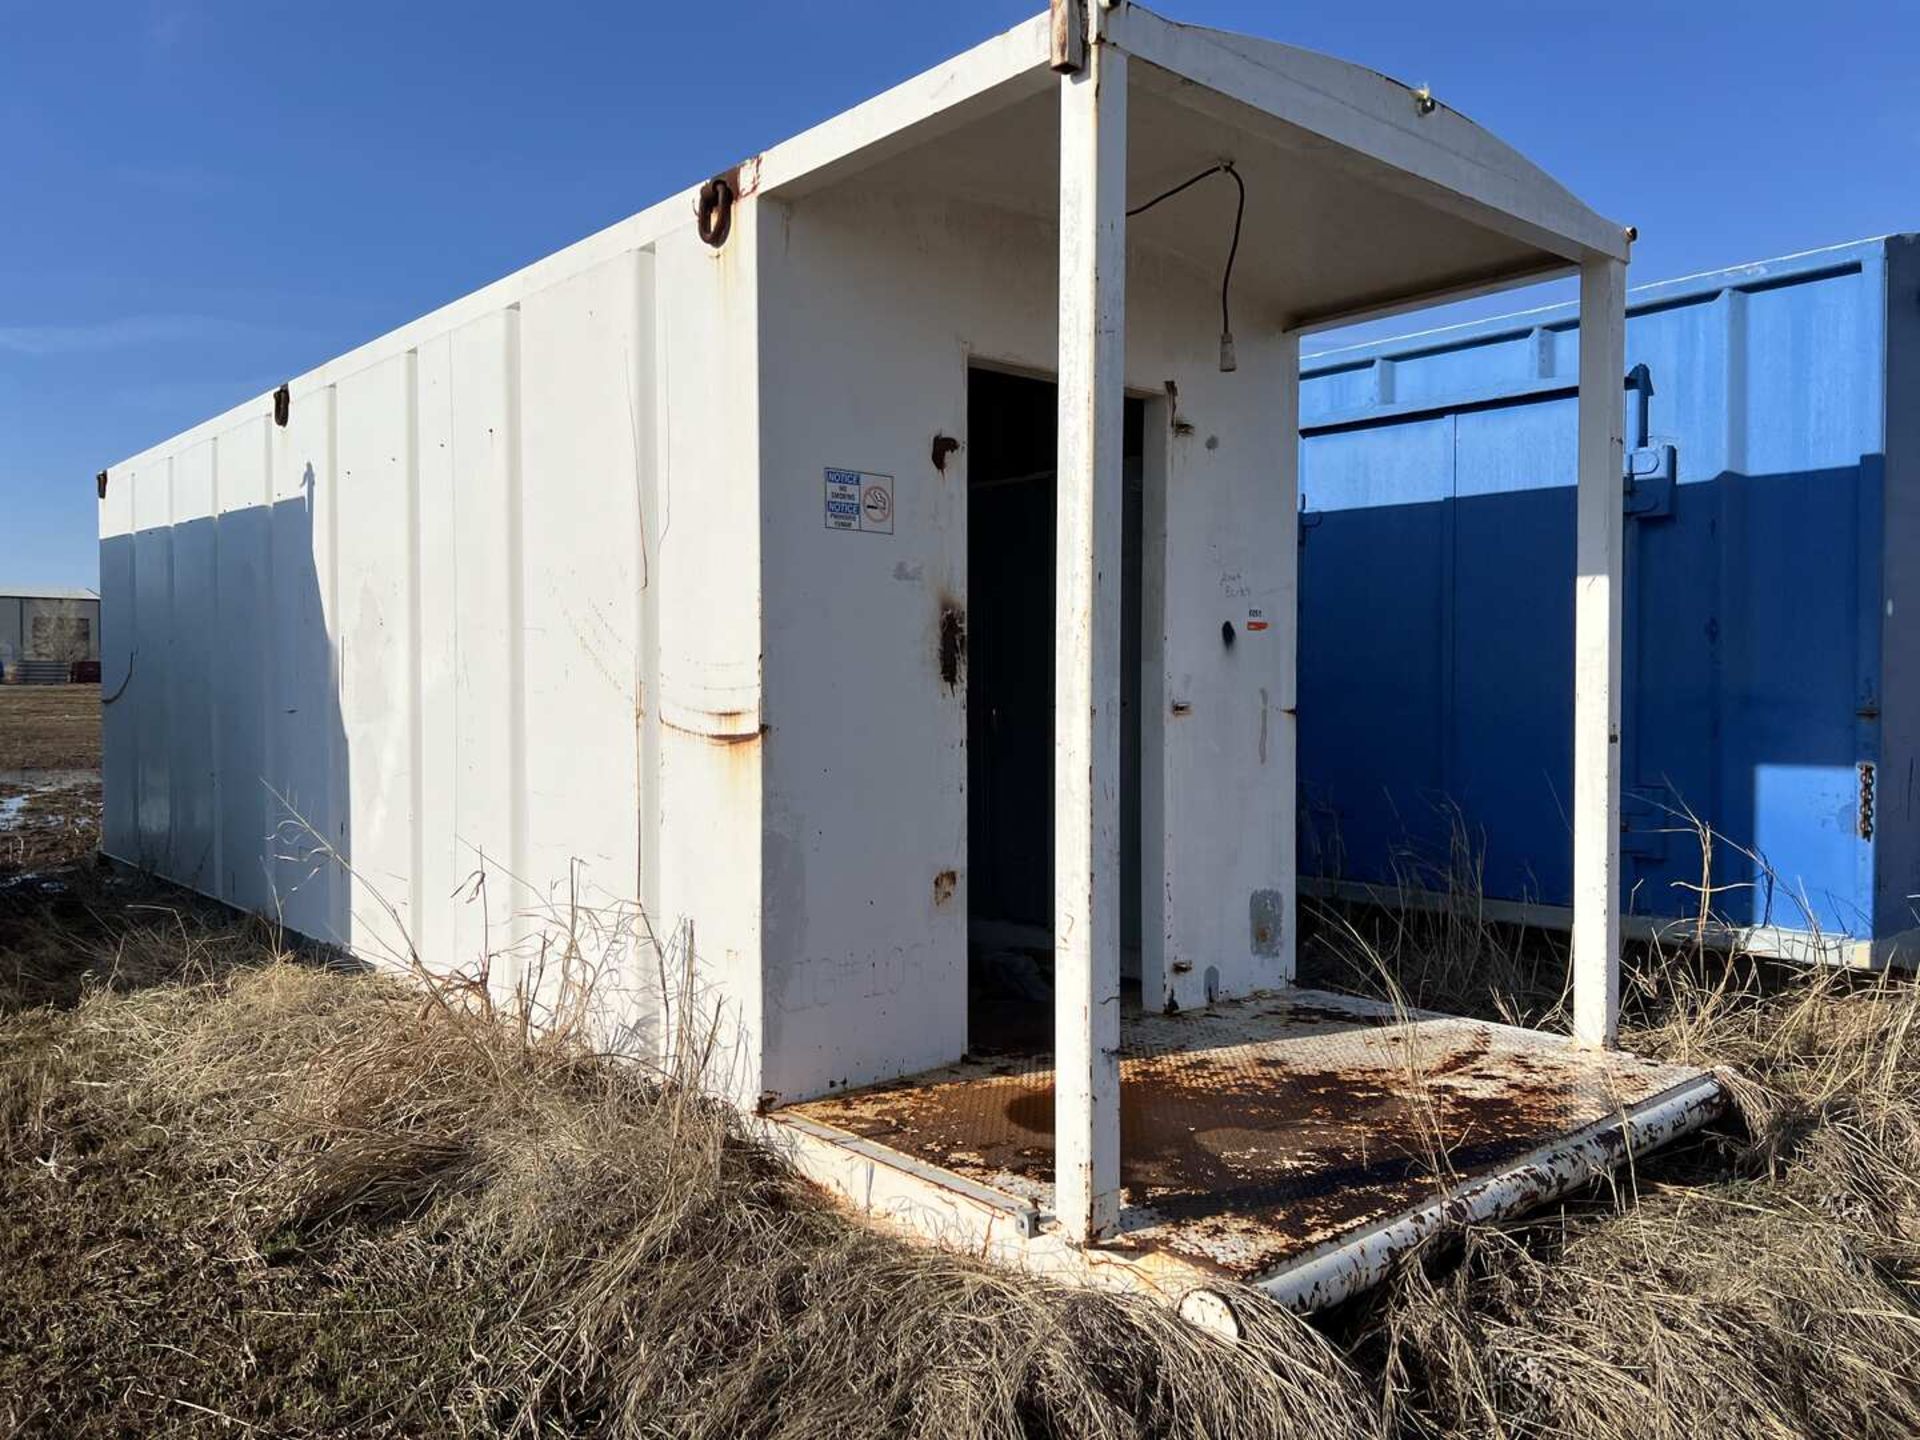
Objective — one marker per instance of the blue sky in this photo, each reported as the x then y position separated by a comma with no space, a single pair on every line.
200,199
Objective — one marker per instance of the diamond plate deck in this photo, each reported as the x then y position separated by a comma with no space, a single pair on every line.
1258,1130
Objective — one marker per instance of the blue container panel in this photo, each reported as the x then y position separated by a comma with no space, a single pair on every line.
1436,681
1510,743
1442,374
1379,559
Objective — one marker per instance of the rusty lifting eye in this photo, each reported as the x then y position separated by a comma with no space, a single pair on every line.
714,211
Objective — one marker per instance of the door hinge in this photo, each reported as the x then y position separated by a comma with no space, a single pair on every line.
1651,470
1308,520
1866,800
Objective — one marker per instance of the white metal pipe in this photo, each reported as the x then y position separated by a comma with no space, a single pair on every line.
1086,927
1347,1267
1596,665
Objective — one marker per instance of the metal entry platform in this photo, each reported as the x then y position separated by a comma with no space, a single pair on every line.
1295,1141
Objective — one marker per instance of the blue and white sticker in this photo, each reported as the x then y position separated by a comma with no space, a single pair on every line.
859,500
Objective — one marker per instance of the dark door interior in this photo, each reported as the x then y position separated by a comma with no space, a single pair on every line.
1011,460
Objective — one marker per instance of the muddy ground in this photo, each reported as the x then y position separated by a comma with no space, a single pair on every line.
49,776
49,727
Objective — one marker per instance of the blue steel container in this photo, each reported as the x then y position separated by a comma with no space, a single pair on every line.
1772,656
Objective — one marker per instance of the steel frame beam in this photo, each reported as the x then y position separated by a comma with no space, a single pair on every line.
1087,654
1599,547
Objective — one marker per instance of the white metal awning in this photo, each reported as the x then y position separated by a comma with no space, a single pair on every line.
1364,196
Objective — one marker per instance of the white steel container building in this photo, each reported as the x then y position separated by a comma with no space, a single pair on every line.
875,554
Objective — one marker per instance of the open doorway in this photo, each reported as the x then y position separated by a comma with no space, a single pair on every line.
1012,450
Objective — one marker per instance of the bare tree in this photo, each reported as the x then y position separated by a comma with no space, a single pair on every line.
62,630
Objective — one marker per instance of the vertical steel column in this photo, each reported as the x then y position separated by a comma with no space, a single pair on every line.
1596,651
1086,800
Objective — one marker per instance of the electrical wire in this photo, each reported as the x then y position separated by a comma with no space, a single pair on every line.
1233,250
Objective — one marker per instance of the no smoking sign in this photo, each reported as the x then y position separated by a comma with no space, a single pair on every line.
859,500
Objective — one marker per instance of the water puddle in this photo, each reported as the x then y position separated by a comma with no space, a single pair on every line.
30,798
48,779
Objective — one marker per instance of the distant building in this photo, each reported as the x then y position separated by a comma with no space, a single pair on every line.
46,627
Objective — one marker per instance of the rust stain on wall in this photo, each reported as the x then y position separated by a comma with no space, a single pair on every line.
729,729
952,644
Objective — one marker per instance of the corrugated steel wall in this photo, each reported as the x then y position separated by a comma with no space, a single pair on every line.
1436,611
379,669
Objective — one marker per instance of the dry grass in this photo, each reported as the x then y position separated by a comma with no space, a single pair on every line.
241,1194
322,1204
238,1184
1760,1280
